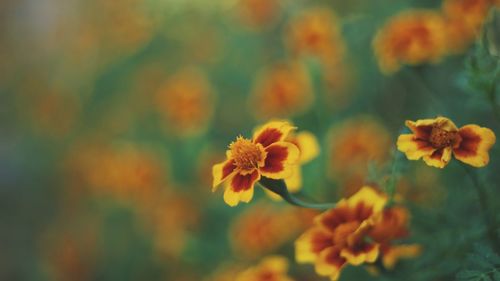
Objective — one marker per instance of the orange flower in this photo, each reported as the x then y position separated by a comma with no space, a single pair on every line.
351,146
273,268
266,154
413,38
186,102
358,230
258,13
282,90
316,32
265,227
434,140
463,21
338,236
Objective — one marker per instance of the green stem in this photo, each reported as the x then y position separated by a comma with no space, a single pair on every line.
279,187
490,221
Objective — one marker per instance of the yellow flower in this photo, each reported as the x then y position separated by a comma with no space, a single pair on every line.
358,230
338,236
282,90
273,268
412,37
266,154
435,140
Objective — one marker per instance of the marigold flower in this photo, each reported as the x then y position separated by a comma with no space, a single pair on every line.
264,227
281,90
266,154
358,230
413,38
273,268
435,140
316,32
463,21
185,101
349,151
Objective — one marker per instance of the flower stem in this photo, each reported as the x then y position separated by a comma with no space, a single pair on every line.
279,187
489,219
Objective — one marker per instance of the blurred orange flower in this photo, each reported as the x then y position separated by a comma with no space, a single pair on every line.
258,13
316,32
351,146
282,90
464,19
411,37
264,227
358,230
186,102
434,140
266,154
273,268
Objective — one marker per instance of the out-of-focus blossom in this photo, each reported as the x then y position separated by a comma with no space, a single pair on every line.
272,268
435,140
258,13
282,90
225,272
357,231
309,149
265,227
52,109
410,38
316,32
352,145
186,102
267,154
464,19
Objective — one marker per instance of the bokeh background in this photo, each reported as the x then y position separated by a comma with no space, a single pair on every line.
113,112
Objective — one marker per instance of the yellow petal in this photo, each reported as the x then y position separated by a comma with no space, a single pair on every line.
439,160
413,148
272,132
370,197
281,157
294,182
308,145
474,145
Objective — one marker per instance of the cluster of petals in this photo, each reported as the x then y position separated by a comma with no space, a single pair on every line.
435,140
267,154
358,230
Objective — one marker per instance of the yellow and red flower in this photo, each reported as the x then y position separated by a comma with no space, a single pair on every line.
273,268
358,230
435,140
413,38
267,154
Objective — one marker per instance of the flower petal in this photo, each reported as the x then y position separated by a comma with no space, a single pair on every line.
474,145
413,147
366,253
368,196
395,253
311,243
422,128
279,160
330,263
221,172
240,187
308,146
440,158
294,182
272,132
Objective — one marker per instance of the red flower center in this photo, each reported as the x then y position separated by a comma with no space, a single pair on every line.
246,154
441,138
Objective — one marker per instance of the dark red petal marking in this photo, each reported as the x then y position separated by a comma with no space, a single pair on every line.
228,168
469,144
423,132
363,211
335,217
320,241
243,182
276,156
437,155
333,257
269,136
